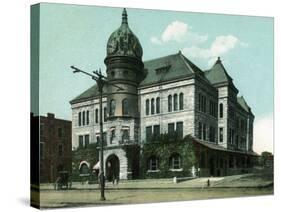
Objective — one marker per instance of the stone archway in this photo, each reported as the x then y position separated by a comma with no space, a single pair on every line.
112,167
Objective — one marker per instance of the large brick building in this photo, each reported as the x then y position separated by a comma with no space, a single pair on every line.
168,96
55,147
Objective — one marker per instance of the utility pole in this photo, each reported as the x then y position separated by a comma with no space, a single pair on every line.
101,80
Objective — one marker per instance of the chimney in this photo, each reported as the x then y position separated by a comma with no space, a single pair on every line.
50,115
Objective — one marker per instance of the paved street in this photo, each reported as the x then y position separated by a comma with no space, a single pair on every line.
73,198
160,190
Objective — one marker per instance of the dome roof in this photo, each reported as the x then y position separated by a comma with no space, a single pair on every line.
123,42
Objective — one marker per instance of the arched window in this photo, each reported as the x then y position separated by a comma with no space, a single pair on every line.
147,107
83,118
175,102
104,114
97,115
175,161
87,118
153,163
221,110
152,106
79,118
169,103
125,107
181,101
158,105
112,107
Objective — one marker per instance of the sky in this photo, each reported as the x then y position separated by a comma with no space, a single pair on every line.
77,35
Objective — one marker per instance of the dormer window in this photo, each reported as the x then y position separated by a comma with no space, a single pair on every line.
162,69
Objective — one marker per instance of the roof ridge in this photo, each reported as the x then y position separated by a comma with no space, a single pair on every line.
159,58
185,62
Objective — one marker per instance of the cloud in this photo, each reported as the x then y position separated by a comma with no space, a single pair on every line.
220,46
175,31
178,32
155,40
263,134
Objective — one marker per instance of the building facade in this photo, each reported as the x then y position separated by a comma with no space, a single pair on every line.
55,147
168,98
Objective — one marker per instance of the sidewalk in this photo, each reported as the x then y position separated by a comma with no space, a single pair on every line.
241,181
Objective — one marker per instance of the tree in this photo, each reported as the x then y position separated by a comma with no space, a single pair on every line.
265,157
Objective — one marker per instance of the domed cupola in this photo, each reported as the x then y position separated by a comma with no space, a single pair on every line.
123,42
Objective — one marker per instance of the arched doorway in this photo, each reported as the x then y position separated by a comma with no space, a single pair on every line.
112,167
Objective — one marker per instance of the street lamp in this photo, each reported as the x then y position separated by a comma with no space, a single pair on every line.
101,81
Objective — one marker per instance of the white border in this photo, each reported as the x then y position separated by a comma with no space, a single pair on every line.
14,84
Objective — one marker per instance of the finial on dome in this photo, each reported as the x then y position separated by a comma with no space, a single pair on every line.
124,17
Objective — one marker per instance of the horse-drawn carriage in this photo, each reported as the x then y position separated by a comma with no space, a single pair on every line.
63,181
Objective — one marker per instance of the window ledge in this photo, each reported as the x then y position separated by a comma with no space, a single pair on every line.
176,170
153,171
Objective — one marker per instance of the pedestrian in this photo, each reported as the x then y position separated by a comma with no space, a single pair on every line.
113,179
208,183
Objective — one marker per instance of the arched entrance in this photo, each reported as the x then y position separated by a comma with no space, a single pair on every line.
112,167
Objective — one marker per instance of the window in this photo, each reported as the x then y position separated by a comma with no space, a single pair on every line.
97,115
221,134
87,140
180,129
83,118
147,107
181,101
169,103
175,102
125,135
156,131
200,130
171,129
204,131
105,114
152,106
236,140
60,150
125,107
112,137
212,108
79,119
80,138
202,103
87,119
221,110
175,161
158,105
148,133
232,136
112,107
212,134
59,132
153,163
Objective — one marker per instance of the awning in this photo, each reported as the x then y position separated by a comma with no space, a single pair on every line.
97,166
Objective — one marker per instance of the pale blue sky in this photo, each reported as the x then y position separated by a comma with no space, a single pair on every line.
77,35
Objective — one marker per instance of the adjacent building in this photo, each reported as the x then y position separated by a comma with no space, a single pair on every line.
55,147
167,98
